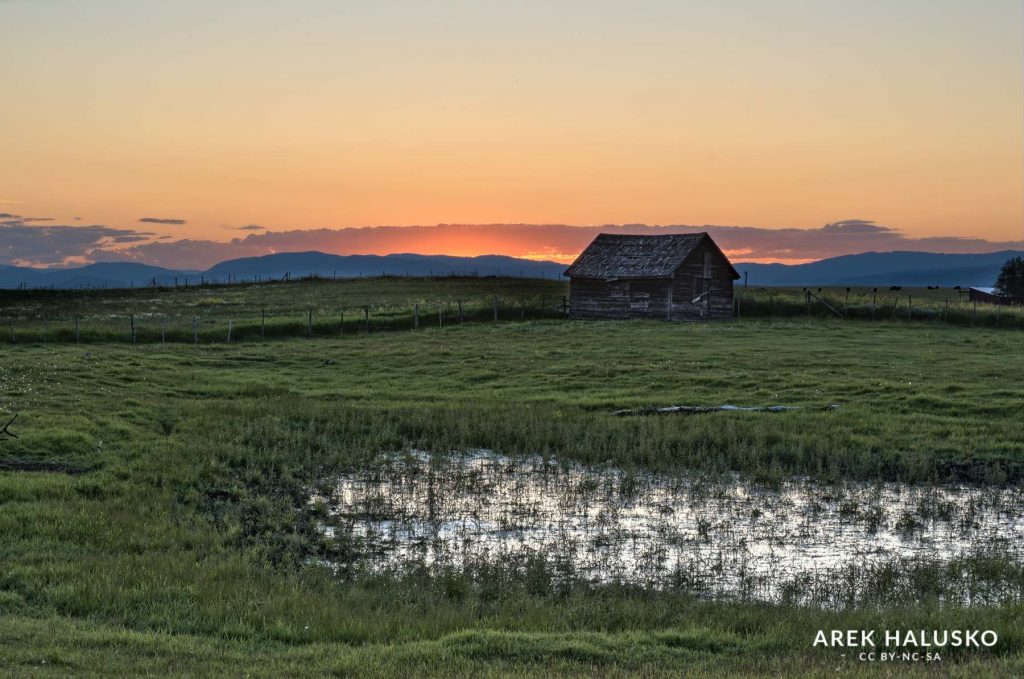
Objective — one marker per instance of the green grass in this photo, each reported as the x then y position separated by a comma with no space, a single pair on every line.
184,549
325,308
945,306
273,309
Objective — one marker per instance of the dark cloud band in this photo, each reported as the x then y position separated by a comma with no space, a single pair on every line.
55,244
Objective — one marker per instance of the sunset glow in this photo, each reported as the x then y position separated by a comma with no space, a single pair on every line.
207,122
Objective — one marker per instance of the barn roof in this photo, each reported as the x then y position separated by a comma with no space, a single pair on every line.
623,256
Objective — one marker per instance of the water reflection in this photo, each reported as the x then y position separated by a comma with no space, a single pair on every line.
720,537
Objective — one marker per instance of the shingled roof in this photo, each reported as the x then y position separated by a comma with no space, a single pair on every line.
621,256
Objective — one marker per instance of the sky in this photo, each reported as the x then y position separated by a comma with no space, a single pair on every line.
187,131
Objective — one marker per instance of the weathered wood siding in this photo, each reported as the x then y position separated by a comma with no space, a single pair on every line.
689,282
618,299
660,298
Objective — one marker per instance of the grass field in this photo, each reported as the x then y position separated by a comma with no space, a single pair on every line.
294,309
319,307
156,517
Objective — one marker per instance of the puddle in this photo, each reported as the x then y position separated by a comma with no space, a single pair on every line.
721,538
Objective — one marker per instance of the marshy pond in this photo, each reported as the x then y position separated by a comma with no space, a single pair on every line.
721,538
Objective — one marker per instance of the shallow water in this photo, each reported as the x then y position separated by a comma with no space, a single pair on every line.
722,538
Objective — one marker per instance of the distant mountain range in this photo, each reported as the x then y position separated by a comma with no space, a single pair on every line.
870,269
293,264
912,269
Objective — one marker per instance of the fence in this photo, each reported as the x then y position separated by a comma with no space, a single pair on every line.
875,305
149,327
199,325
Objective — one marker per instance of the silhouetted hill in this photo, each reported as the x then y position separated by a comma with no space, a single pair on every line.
868,269
299,264
884,268
296,264
99,275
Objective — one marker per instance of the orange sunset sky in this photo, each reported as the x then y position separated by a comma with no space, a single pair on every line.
186,132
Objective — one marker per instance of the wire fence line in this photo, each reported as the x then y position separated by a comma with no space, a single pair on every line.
195,327
863,305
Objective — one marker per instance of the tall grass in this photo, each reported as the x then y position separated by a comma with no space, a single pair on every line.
947,306
184,547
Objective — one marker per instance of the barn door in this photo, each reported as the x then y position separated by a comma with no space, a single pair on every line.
701,295
702,289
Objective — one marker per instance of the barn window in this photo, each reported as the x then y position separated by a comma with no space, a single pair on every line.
639,301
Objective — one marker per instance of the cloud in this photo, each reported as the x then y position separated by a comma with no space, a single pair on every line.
558,242
50,245
247,227
22,221
160,220
855,226
179,254
8,215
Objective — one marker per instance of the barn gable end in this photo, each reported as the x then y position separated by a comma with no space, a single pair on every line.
675,277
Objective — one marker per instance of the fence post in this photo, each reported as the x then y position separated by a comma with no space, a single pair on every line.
461,318
133,328
846,304
163,331
945,312
45,330
77,333
807,301
366,311
495,308
974,313
874,297
195,330
439,323
416,316
565,306
309,324
341,323
230,323
910,306
263,322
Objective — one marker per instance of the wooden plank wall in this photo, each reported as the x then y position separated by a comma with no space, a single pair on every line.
650,298
720,303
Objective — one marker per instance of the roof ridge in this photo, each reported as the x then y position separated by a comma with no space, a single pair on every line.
623,255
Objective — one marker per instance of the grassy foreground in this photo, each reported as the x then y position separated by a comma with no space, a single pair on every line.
160,529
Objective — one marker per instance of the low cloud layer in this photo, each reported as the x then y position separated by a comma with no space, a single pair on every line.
45,245
55,245
161,220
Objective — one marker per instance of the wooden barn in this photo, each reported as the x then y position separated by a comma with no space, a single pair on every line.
987,296
683,277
